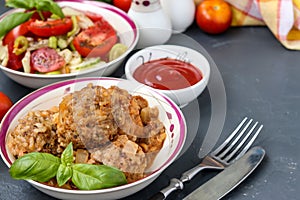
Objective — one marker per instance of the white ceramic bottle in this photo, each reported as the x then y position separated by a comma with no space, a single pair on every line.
154,24
181,13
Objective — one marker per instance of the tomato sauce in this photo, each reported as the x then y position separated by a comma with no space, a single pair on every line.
168,74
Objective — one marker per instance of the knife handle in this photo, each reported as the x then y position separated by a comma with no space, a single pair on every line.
175,184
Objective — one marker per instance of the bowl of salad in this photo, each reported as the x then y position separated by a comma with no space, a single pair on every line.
43,42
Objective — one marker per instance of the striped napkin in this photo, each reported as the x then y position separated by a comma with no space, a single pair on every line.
282,17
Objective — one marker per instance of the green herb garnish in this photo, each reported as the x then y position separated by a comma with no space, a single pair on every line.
35,166
12,20
37,5
44,166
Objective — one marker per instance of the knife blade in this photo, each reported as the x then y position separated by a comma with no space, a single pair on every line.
230,177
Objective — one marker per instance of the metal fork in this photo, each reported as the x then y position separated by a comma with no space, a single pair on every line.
235,146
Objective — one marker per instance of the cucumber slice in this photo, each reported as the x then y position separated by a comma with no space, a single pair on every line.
116,51
91,62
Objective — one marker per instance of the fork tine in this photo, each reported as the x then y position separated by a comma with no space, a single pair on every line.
230,137
235,140
249,143
238,147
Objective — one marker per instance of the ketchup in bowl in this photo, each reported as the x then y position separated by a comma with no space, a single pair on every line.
167,74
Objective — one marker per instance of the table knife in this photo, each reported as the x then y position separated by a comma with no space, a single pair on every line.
230,177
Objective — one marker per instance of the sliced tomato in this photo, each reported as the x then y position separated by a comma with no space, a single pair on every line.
22,29
50,27
93,16
46,60
97,40
14,61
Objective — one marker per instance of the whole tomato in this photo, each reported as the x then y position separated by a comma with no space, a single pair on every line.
122,4
213,16
5,104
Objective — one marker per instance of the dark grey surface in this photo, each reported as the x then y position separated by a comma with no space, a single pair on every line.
261,78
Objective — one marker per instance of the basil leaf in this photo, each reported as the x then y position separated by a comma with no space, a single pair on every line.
67,155
49,5
64,173
55,9
11,21
35,166
39,5
28,4
92,177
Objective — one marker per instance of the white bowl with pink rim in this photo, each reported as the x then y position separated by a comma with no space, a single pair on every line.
49,96
125,27
189,57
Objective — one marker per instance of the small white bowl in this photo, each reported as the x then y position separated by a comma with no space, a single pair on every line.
180,96
49,96
126,29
